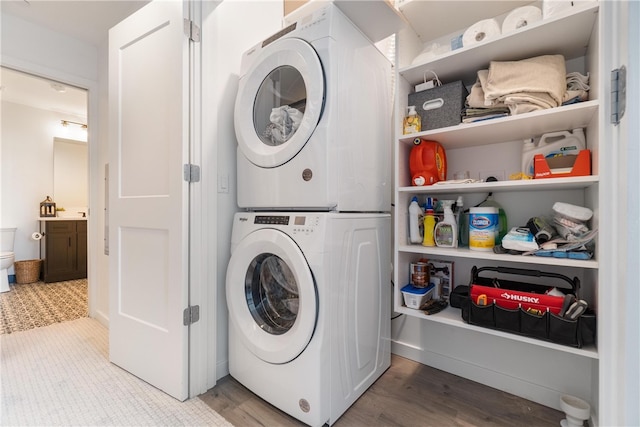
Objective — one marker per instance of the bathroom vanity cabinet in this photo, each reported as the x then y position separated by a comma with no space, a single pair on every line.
64,249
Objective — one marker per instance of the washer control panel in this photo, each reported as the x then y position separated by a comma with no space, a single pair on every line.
295,223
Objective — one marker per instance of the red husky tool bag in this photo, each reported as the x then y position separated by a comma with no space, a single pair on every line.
525,308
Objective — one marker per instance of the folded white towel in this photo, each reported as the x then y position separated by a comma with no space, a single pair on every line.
577,81
542,74
476,98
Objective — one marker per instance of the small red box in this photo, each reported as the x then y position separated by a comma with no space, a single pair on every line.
544,168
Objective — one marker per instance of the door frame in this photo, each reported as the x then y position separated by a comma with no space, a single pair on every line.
91,86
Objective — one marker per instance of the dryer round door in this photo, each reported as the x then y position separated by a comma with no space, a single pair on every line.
279,103
271,296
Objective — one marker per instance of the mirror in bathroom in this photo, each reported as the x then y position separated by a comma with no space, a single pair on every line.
70,175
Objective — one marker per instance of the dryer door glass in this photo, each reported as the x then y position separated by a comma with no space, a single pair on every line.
280,102
272,294
279,105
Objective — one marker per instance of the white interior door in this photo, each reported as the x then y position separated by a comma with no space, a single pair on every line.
149,133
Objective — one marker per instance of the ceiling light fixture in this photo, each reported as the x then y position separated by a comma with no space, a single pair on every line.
60,88
66,123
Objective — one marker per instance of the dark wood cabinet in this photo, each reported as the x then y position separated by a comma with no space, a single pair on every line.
64,250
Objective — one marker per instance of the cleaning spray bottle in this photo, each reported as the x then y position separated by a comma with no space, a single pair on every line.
463,224
429,224
446,231
415,216
503,227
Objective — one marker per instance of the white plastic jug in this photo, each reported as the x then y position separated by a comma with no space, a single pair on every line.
550,145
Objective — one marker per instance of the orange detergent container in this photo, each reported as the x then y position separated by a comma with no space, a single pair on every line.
427,162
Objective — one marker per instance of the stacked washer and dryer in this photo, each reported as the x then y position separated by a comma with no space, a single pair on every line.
308,282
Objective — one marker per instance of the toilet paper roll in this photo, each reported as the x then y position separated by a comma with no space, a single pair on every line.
555,7
481,31
36,236
521,17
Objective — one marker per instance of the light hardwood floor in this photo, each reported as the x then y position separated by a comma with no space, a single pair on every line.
408,394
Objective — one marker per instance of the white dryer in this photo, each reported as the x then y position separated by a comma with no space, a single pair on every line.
313,119
309,309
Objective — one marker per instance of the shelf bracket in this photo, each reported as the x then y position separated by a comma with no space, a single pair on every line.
618,94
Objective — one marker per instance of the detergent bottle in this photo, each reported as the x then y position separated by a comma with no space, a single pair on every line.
427,162
503,227
415,216
429,224
446,231
552,144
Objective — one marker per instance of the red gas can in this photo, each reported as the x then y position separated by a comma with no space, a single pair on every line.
427,162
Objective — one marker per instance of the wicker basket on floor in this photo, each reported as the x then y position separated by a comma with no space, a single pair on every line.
27,271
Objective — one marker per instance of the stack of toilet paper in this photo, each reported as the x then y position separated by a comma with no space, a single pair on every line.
489,28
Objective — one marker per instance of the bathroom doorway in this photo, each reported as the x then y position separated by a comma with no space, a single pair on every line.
44,152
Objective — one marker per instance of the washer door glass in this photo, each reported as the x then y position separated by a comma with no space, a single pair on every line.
272,293
271,296
279,103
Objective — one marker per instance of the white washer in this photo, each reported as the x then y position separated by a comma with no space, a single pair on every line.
309,309
313,119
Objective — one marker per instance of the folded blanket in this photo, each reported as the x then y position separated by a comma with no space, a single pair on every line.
476,98
540,75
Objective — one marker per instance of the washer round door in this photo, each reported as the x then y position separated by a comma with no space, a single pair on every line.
271,296
279,103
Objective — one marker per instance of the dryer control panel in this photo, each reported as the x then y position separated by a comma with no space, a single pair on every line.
272,219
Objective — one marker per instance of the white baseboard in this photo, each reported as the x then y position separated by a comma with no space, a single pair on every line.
101,317
222,369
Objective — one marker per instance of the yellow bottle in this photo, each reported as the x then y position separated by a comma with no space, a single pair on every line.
429,224
412,122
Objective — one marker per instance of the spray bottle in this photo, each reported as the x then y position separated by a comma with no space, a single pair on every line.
415,216
446,231
429,224
463,225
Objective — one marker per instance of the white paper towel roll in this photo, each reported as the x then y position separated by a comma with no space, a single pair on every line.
481,31
555,7
36,236
521,17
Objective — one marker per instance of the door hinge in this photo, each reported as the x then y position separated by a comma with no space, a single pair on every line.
191,30
191,315
618,94
191,173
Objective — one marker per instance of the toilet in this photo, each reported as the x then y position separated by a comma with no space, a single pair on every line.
7,236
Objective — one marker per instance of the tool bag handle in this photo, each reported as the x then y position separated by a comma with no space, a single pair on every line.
573,285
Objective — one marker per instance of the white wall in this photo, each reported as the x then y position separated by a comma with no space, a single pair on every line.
27,169
42,51
229,29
